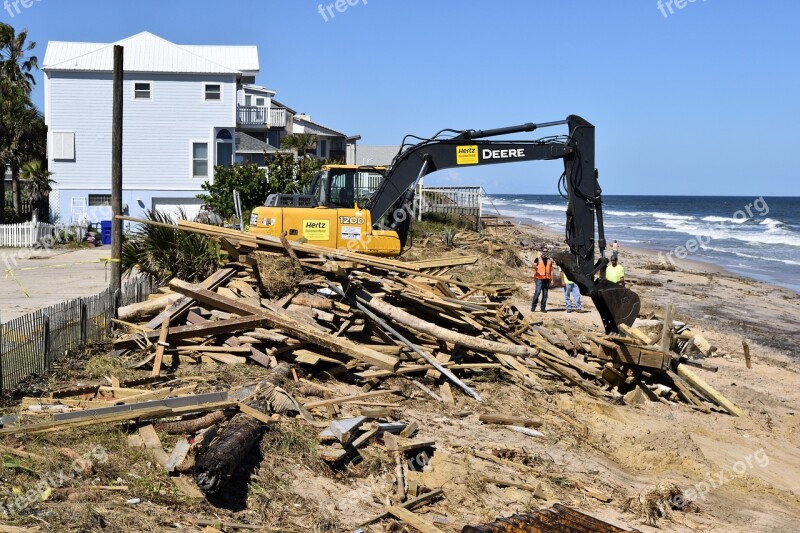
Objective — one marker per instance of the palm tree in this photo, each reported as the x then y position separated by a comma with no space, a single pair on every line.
37,186
24,137
300,143
22,131
15,64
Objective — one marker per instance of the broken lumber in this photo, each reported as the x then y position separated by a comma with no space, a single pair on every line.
495,418
708,391
412,520
290,325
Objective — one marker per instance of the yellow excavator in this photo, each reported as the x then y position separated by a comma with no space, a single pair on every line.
370,209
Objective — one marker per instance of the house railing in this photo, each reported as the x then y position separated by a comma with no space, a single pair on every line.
32,343
26,234
252,115
277,117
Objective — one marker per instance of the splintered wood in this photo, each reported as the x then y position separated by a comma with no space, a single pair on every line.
380,333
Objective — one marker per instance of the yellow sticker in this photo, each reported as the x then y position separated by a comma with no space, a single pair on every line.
467,155
317,230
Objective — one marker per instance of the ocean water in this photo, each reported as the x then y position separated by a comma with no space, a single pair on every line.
758,237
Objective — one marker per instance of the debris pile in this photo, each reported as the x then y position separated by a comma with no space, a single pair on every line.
309,317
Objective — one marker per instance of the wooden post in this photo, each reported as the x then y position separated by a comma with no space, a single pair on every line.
116,173
84,322
666,333
746,348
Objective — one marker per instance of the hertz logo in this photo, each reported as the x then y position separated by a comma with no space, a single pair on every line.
467,155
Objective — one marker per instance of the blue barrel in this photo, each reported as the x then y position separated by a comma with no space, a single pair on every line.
105,232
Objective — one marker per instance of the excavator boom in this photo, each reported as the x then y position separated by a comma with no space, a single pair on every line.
343,210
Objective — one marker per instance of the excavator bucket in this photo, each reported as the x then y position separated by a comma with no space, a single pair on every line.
616,304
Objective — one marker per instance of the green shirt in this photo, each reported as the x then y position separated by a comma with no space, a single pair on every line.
615,273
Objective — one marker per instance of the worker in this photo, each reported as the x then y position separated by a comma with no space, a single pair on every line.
543,267
615,272
614,249
571,289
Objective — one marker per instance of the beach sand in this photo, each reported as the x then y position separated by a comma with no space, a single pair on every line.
656,442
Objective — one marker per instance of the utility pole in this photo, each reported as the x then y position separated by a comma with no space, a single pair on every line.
116,175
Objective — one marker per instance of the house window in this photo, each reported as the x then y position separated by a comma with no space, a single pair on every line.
224,148
142,90
213,92
200,160
323,148
99,200
63,146
248,100
260,102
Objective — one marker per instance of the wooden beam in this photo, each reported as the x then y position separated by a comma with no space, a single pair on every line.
288,324
706,390
412,520
160,347
346,399
204,329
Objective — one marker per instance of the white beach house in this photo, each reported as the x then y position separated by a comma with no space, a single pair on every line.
183,106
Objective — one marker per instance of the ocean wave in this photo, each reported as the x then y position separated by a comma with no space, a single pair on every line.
670,216
626,213
756,257
548,207
772,223
727,220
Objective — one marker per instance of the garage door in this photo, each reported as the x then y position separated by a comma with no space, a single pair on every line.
173,206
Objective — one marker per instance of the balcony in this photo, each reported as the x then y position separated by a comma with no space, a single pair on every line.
277,117
250,115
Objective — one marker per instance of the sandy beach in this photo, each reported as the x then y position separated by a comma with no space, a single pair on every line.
654,442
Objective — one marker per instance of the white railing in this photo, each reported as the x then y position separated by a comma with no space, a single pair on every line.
28,234
277,117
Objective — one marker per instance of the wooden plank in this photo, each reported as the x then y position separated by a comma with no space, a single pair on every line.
204,329
187,488
181,306
160,347
410,504
150,413
666,332
535,489
706,390
346,399
447,394
412,520
254,413
153,444
509,420
290,325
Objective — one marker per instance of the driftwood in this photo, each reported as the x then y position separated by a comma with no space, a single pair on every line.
218,463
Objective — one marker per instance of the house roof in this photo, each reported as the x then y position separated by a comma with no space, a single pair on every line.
310,126
257,89
247,144
276,103
145,52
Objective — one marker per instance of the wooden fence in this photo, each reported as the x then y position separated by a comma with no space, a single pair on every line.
27,234
32,343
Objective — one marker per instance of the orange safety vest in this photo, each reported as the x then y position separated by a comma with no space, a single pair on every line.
544,269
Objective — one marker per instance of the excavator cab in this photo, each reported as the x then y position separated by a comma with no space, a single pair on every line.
345,185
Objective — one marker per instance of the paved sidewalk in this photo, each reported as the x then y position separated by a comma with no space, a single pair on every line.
49,277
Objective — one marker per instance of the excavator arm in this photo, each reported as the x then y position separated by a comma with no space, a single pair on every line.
391,203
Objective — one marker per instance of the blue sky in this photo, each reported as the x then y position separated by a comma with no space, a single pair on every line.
702,101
